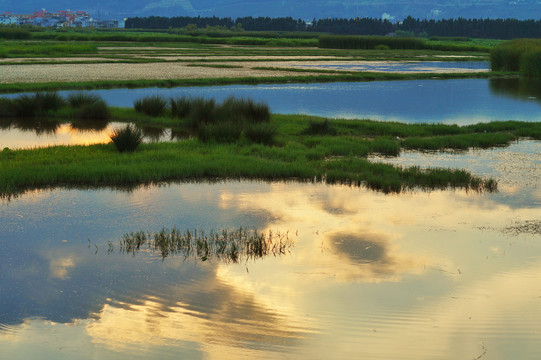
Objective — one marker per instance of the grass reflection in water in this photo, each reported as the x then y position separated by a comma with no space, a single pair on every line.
229,246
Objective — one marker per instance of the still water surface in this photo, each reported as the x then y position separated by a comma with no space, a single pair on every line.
439,275
463,102
18,134
401,66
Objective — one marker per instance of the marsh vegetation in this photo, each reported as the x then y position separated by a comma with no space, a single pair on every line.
227,144
229,246
522,55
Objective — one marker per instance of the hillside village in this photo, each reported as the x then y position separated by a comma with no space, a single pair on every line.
60,18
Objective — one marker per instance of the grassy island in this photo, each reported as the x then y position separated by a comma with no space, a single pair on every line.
274,147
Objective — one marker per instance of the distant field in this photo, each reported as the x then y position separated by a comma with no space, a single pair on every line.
72,57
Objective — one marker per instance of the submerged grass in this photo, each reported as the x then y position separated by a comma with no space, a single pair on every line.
229,246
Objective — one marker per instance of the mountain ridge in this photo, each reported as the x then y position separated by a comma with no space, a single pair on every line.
301,9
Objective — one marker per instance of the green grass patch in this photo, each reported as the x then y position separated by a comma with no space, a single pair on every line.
293,154
217,66
33,49
387,42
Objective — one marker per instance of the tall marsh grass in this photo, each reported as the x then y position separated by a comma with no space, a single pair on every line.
88,106
154,105
226,121
127,139
368,42
80,98
523,55
27,105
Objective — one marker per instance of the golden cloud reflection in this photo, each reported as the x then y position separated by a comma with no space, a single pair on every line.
64,134
70,135
339,235
498,316
370,258
352,238
59,268
236,324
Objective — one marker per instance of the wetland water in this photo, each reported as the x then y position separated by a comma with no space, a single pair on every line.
21,133
439,275
462,102
402,66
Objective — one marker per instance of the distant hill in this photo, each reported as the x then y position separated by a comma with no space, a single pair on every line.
303,9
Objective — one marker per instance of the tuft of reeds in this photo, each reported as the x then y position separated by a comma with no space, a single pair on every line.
97,110
80,98
244,110
127,139
202,111
180,107
154,105
49,101
89,106
522,55
225,122
7,108
26,106
31,105
229,246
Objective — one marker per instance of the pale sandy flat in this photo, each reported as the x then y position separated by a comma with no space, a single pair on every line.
196,57
40,73
108,48
51,59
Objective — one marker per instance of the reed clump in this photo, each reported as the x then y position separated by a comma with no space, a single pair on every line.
89,106
27,105
154,105
226,121
522,55
80,98
229,246
127,139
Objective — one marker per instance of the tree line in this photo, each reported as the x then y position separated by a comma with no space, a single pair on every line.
461,27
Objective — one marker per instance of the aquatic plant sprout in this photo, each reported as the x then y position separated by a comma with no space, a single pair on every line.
229,246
